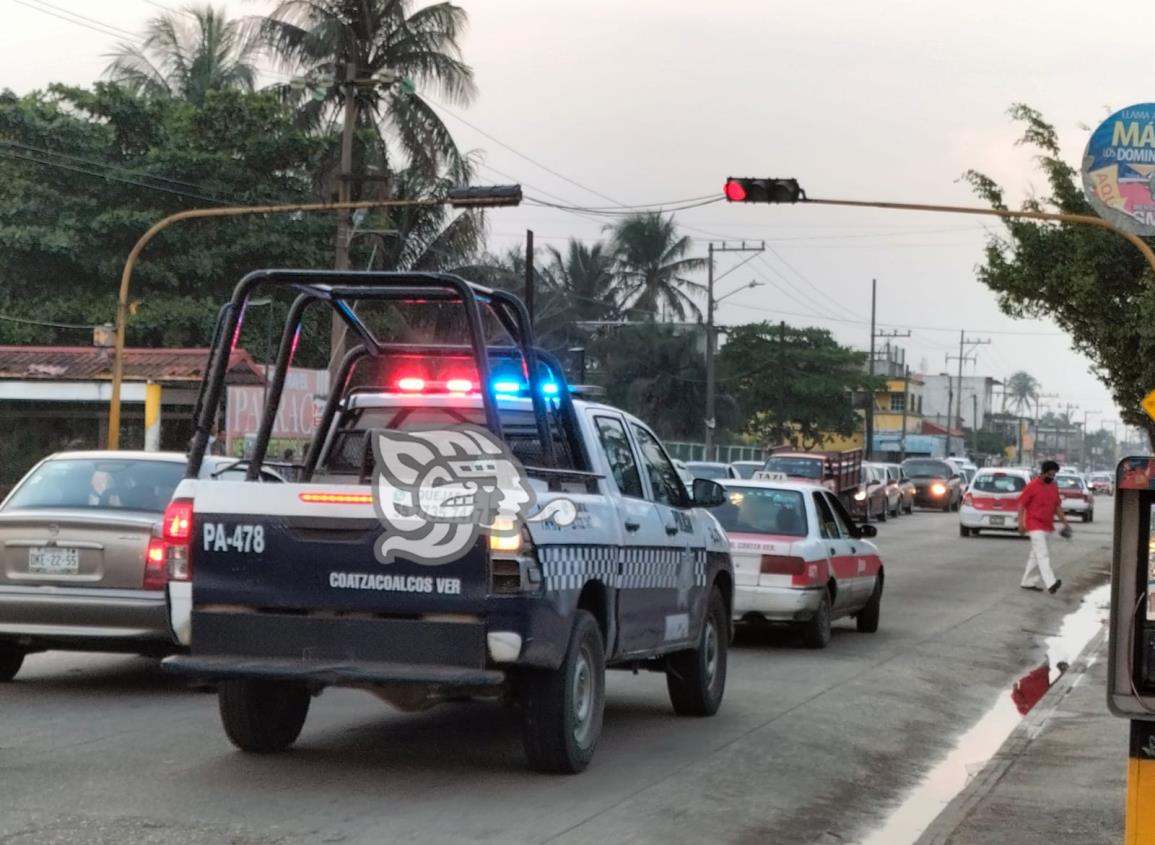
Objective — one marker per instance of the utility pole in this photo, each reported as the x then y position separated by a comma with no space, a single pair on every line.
711,248
344,192
870,368
870,407
963,343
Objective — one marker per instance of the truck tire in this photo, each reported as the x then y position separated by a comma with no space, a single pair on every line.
867,619
696,679
816,630
263,717
562,708
11,659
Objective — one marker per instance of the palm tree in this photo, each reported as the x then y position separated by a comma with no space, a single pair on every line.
585,277
382,39
187,54
1022,389
651,264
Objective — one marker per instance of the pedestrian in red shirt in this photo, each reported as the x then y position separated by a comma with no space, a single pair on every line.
1038,507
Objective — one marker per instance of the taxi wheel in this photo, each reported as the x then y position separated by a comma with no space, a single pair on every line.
963,531
11,659
816,630
867,619
696,679
263,717
562,709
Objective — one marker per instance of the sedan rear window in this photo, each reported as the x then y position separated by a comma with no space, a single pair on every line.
998,483
99,484
762,510
711,471
1069,482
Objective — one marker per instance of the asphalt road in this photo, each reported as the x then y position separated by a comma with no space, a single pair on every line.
809,747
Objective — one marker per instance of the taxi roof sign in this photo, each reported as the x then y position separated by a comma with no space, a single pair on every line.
765,475
1148,404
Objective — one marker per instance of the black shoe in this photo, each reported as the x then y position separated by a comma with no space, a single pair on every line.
1025,587
1054,587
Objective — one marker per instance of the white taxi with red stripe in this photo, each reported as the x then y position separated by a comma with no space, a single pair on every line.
799,558
991,502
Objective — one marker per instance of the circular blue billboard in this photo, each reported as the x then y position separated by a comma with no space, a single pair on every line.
1119,169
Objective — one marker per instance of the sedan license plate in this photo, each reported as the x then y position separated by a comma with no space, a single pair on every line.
998,520
53,561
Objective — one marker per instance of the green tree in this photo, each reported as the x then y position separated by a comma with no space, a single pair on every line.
187,54
386,39
658,373
1095,285
652,267
793,384
83,173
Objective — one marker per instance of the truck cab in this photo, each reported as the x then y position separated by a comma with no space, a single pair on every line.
594,553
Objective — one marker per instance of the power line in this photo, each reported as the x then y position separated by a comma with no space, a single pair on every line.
45,324
520,154
110,31
109,177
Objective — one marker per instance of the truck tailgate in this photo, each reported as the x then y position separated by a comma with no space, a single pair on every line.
284,547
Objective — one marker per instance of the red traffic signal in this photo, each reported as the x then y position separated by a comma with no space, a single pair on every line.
763,190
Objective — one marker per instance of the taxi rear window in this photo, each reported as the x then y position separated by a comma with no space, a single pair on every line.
1069,482
998,483
754,510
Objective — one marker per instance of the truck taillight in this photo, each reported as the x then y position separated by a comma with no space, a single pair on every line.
155,574
177,540
782,565
513,566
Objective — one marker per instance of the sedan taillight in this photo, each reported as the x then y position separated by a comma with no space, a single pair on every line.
155,574
782,565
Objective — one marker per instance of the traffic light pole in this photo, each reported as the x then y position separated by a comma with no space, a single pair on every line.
1140,816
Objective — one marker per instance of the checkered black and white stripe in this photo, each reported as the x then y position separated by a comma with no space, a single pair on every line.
569,567
646,568
657,568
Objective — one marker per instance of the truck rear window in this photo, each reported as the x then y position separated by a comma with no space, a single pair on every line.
348,452
796,467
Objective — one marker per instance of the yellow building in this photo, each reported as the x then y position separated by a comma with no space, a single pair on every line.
889,404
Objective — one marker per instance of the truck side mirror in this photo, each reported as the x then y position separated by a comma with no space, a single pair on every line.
707,493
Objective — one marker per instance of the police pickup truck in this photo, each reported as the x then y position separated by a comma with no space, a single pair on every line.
465,526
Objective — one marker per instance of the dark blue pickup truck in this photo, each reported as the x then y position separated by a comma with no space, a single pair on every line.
588,551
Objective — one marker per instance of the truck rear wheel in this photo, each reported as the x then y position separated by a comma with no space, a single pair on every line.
563,708
11,659
262,717
696,679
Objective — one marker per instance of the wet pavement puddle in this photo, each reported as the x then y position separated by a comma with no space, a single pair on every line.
978,745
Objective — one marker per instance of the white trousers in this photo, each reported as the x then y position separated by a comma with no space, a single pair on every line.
1039,563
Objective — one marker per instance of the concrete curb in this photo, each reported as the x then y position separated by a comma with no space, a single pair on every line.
1018,743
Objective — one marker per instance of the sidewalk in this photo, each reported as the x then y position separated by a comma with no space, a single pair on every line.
1060,778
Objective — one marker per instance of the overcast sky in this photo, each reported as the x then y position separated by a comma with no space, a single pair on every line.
641,101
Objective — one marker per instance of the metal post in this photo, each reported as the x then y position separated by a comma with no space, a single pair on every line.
783,425
529,274
709,439
152,392
870,404
905,406
1139,823
344,192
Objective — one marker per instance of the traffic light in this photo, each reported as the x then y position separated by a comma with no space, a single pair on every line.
484,197
763,190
